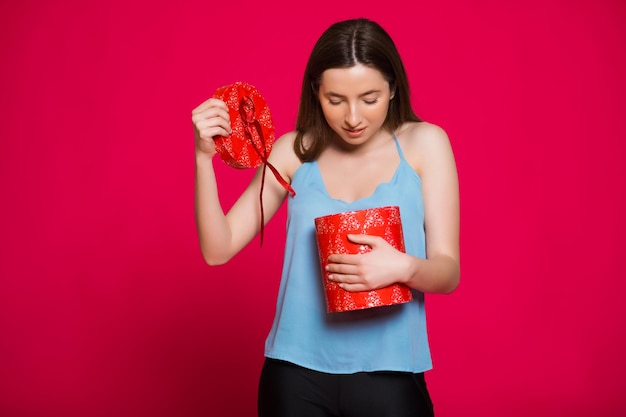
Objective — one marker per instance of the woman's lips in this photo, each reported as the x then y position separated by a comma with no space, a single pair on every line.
354,133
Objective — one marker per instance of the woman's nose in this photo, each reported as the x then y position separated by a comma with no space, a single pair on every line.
353,118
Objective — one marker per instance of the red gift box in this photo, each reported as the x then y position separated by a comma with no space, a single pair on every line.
331,232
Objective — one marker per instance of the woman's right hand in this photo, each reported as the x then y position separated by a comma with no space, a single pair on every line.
210,119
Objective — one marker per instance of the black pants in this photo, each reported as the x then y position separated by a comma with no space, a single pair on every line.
288,390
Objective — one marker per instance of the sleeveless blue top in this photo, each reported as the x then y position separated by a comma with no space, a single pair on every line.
388,338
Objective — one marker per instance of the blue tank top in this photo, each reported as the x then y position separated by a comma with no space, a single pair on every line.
391,338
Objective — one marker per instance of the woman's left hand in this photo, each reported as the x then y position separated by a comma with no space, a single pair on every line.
382,266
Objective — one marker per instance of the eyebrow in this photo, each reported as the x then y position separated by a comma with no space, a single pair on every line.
367,93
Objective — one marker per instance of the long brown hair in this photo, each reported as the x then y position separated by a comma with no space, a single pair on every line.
344,45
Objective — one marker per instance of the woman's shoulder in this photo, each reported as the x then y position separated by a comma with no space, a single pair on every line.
283,145
422,142
283,156
419,132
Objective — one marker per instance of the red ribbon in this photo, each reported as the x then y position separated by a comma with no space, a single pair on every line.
263,156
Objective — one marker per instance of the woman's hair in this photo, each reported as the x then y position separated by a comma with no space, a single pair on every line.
344,45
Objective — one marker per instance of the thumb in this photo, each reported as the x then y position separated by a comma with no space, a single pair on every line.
361,239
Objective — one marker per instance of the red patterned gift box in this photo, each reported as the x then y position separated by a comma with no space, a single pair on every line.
332,231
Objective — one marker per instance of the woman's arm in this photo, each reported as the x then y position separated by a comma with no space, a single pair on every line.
222,235
433,159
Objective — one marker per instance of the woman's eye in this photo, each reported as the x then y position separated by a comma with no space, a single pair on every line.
334,102
374,101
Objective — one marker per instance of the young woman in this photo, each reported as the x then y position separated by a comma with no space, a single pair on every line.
357,144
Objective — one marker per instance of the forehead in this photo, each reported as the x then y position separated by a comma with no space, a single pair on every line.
352,80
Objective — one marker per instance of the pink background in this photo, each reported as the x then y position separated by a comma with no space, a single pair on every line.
106,308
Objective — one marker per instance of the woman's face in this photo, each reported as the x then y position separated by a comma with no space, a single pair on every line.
354,101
